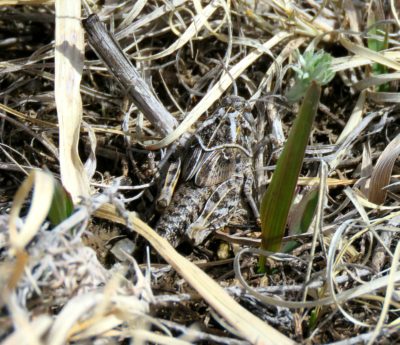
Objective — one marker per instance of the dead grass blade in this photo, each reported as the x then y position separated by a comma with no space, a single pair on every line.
383,171
384,97
317,228
355,118
370,54
37,329
70,314
39,208
190,33
251,327
149,18
390,290
352,136
133,13
361,59
304,22
24,117
25,2
376,80
68,73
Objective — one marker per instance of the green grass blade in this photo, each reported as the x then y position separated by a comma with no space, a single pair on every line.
377,45
277,200
302,216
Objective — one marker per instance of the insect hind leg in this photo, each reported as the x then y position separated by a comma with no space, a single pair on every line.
168,188
217,211
248,192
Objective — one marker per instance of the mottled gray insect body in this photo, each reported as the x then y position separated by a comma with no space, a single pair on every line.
217,163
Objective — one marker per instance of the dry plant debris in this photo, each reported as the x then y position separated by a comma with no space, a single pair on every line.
92,279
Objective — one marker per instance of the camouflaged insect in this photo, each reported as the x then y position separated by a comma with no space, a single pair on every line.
216,169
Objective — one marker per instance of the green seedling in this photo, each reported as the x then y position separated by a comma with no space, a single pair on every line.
311,67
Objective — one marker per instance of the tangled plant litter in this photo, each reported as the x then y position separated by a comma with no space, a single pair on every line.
342,280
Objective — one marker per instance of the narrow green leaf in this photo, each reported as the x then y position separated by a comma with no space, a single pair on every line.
377,45
301,216
373,43
61,206
383,69
277,200
313,319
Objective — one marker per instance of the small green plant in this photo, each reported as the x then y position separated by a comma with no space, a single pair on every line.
310,67
312,71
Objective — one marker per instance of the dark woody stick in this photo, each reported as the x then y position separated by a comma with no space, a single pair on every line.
120,66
